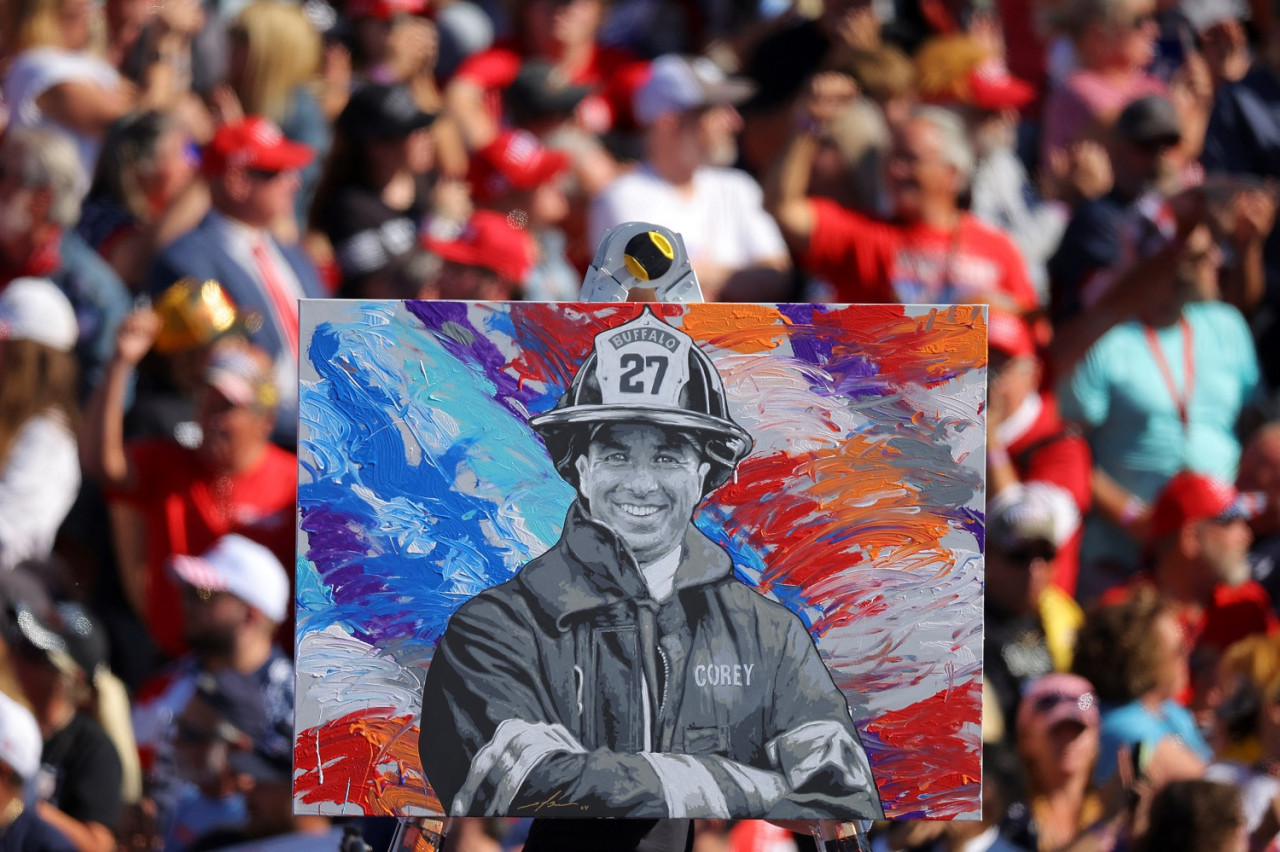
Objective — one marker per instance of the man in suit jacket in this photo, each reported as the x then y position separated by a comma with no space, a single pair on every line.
253,175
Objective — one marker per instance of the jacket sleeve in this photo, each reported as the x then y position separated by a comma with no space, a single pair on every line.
815,745
495,740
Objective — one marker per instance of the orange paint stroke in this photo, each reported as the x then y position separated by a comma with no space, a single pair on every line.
742,328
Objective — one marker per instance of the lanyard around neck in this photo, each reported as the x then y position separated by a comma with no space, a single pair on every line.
1181,400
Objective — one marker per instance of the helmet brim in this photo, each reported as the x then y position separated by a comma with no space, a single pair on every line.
556,421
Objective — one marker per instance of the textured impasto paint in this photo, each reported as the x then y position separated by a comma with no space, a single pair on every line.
859,508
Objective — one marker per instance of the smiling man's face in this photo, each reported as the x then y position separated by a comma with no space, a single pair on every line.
642,482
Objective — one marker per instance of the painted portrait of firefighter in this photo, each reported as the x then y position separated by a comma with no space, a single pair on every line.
626,672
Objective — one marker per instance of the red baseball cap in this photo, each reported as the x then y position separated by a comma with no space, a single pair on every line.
384,10
1008,333
517,161
253,143
490,242
1058,697
992,87
1191,496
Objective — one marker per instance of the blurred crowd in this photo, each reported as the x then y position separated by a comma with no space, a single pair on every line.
176,174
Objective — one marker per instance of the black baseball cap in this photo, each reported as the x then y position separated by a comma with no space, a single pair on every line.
67,634
1149,121
539,91
378,111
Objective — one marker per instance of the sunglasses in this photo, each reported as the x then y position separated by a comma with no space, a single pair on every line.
266,174
1027,555
1050,700
1137,22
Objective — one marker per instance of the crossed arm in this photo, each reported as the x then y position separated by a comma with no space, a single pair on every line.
495,741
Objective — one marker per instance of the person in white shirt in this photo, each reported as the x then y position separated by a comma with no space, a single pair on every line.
684,183
39,462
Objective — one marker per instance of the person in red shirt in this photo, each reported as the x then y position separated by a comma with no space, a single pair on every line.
1029,447
1199,542
931,251
235,481
564,33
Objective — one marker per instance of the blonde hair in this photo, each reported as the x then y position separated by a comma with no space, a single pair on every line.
30,23
943,65
36,379
883,73
283,53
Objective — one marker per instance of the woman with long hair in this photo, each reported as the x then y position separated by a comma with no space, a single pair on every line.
144,193
39,418
274,67
51,77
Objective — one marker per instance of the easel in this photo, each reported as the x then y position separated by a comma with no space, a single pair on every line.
637,256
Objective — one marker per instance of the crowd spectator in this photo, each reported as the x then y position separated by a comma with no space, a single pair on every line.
235,595
1030,624
1260,478
1135,655
1057,737
369,207
518,176
253,175
1029,447
959,72
40,189
39,418
1243,139
234,481
1196,816
931,250
1244,741
21,828
686,110
1199,544
144,193
52,79
58,662
274,60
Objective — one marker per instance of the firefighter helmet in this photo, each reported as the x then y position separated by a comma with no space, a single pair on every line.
645,371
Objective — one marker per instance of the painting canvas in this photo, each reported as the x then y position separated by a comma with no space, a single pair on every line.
640,560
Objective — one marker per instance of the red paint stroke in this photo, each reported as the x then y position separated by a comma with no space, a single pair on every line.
818,517
922,762
368,758
924,765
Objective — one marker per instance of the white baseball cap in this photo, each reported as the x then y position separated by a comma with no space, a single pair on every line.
242,567
678,83
35,309
20,740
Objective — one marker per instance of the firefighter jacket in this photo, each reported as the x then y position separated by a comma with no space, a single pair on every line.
568,691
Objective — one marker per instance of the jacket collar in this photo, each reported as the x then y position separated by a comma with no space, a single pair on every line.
590,568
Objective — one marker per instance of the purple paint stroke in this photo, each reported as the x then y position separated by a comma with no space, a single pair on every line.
481,351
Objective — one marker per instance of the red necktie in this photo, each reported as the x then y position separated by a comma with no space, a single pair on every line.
282,300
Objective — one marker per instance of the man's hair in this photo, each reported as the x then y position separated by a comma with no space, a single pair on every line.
1191,815
1079,15
953,137
128,154
47,159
